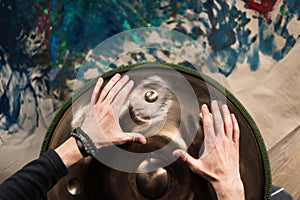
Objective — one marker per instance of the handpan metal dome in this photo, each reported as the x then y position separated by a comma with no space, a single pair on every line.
90,179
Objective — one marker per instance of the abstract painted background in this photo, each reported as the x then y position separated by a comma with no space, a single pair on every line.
44,42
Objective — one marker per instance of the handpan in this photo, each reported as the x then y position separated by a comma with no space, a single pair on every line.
168,120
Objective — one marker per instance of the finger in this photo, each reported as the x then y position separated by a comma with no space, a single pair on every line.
96,91
109,86
208,126
116,88
136,138
185,157
122,96
217,118
227,121
236,129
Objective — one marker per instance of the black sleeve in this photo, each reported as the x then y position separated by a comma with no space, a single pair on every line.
35,179
279,193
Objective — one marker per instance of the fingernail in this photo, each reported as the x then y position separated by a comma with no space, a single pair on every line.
176,153
99,81
204,106
143,140
117,75
131,82
126,77
215,104
224,106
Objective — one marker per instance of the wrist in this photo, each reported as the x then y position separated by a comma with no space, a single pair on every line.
69,152
229,189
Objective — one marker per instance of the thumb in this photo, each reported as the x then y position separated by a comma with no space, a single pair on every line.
136,137
185,157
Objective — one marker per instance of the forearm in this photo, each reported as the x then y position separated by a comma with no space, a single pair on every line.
35,179
229,191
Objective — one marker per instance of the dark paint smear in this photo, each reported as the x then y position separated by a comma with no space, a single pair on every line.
264,7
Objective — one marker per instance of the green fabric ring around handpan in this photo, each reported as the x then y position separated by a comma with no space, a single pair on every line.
87,176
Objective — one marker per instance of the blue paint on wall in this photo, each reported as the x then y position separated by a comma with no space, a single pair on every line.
41,40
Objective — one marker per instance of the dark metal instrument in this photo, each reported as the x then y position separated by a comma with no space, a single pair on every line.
154,109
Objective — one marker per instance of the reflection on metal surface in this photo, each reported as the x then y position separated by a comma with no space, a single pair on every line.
74,186
153,185
151,96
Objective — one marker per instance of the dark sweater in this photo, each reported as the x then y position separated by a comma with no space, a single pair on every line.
35,179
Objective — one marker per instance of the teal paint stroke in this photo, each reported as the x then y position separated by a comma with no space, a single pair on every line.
41,40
